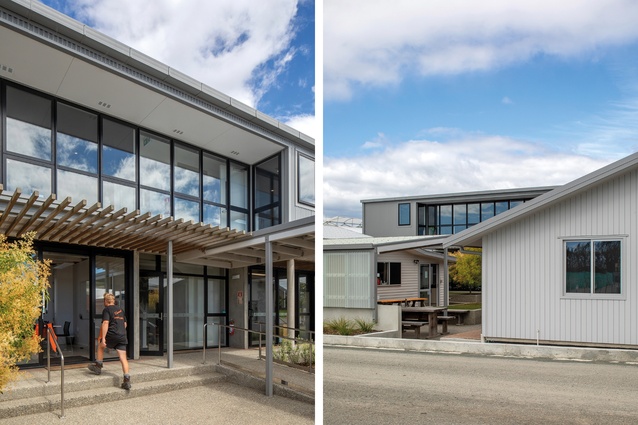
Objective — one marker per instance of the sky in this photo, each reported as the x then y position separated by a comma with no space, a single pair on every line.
457,96
260,53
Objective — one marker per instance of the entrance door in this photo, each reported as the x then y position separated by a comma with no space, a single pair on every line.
152,314
424,283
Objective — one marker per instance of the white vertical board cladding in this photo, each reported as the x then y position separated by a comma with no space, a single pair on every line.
523,270
348,279
409,286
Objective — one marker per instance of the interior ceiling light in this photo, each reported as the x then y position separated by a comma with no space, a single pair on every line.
176,131
104,104
234,152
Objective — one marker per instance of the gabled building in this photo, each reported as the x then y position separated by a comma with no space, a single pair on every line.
561,268
141,181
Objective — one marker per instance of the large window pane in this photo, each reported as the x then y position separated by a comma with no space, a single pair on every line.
607,267
238,220
214,179
239,185
216,296
487,210
28,177
445,214
76,140
578,267
501,206
266,218
460,214
188,210
77,186
186,171
28,124
306,180
213,215
188,307
473,213
155,202
267,183
155,159
118,195
118,150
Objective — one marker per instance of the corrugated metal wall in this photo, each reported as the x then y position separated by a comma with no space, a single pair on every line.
348,279
523,270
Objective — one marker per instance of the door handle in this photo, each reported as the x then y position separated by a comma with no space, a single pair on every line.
161,316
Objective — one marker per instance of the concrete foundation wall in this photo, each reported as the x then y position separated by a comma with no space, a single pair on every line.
389,318
332,313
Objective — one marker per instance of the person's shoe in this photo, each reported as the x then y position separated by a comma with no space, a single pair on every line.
126,384
95,368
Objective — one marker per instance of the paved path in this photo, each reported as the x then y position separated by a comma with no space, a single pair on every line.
226,403
371,386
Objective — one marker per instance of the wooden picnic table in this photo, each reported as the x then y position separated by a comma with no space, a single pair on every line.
407,302
423,314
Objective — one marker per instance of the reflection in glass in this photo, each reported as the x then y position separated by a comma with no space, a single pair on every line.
607,271
238,220
28,139
578,267
76,140
77,186
239,185
155,203
186,171
473,213
155,158
306,180
28,177
118,195
213,215
188,210
118,150
214,179
28,124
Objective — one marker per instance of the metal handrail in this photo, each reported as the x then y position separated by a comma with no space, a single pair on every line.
59,351
297,330
219,340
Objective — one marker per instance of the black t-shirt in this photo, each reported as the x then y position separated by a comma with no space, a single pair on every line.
116,333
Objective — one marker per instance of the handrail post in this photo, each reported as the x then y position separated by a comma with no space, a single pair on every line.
204,343
59,350
48,355
219,342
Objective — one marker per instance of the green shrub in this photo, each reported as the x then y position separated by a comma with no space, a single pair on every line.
365,327
299,354
340,326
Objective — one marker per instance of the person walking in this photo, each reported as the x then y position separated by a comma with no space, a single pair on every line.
112,335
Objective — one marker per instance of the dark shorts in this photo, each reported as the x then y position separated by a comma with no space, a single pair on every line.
116,343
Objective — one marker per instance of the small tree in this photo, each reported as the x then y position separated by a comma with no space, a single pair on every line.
23,287
467,269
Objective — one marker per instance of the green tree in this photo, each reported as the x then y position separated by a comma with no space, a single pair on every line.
467,269
23,282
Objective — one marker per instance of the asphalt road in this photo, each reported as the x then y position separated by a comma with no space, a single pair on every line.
371,386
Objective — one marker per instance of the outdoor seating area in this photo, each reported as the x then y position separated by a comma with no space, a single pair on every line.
413,318
405,302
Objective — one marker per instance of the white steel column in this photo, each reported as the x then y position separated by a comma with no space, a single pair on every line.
169,300
292,295
270,308
446,280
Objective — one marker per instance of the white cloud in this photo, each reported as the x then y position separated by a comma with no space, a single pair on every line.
507,101
376,42
307,124
236,46
465,164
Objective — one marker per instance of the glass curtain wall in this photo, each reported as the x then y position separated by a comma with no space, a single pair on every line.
110,276
267,194
55,147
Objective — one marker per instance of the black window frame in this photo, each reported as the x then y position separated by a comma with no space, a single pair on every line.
402,212
389,272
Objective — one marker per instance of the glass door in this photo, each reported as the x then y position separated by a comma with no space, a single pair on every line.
425,283
152,314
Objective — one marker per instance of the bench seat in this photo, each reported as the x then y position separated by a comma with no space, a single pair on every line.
443,321
413,325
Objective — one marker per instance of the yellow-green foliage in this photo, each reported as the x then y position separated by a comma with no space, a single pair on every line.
23,280
467,269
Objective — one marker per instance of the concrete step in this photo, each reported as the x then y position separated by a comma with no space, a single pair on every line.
100,389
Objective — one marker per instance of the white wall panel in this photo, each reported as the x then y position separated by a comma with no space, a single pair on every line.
523,270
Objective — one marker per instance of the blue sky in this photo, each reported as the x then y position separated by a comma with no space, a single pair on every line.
260,53
443,96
